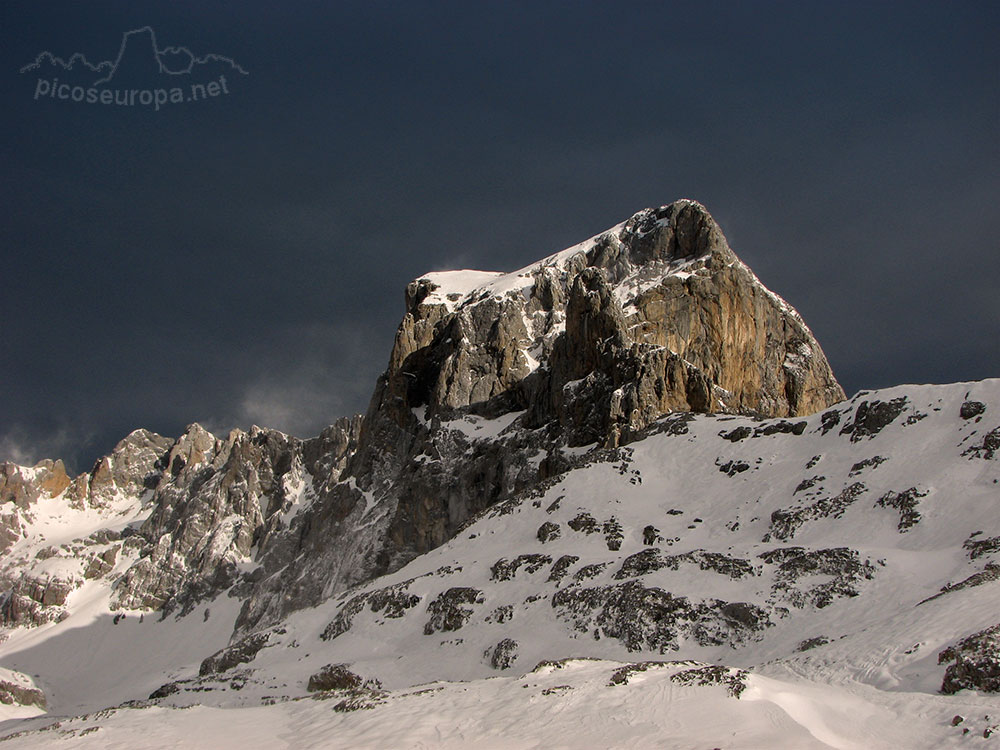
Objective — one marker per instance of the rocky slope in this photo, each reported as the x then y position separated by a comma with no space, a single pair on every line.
589,345
163,522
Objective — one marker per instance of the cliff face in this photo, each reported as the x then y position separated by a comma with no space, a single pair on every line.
656,315
494,382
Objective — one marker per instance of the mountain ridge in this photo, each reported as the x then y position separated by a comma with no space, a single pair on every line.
645,377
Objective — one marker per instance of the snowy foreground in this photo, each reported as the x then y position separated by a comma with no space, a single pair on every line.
569,707
839,652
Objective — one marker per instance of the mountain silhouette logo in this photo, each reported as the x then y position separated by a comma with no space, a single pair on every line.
139,50
142,67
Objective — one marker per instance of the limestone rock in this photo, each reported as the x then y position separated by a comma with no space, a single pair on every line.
334,677
241,652
649,618
22,485
135,465
20,690
20,488
452,609
659,305
215,501
36,600
975,663
503,655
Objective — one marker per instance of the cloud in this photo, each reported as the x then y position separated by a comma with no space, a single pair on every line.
297,405
26,448
310,376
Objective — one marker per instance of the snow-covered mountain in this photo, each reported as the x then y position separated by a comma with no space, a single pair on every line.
615,498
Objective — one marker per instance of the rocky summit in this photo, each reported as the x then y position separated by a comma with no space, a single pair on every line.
623,474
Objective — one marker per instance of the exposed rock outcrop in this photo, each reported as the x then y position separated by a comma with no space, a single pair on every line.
241,652
218,502
18,689
649,618
122,476
34,587
334,677
975,663
35,600
22,486
658,313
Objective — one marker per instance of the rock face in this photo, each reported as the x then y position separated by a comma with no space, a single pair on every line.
334,677
218,502
656,315
19,690
975,663
135,465
199,506
35,590
497,375
22,486
131,468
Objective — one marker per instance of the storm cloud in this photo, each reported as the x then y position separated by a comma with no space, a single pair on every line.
242,259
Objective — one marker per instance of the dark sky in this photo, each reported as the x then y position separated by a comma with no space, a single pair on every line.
242,259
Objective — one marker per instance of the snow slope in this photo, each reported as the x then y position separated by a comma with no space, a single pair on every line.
831,558
574,705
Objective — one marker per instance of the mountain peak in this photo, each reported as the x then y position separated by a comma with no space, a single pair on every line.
586,347
488,340
665,239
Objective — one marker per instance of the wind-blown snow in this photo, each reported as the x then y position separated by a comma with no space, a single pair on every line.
457,288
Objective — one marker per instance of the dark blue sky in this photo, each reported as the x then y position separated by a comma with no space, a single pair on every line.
242,259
